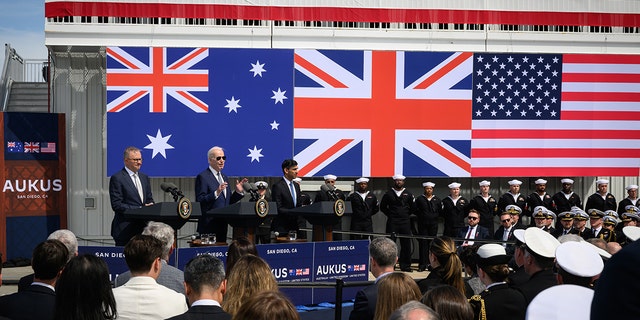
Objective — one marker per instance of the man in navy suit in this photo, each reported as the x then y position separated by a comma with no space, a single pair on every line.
286,194
129,189
213,191
38,300
205,284
473,230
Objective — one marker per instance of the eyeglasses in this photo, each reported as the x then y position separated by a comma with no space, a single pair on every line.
506,220
472,218
218,158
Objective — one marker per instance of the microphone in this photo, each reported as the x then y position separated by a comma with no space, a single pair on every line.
330,190
251,189
173,189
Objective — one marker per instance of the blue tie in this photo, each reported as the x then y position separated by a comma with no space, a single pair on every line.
293,193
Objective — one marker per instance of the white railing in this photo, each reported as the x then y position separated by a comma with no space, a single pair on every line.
17,69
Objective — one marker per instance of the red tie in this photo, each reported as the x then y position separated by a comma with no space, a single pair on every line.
468,233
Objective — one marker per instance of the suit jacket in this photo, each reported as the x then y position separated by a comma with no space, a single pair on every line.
364,306
281,194
124,195
203,313
206,186
503,302
142,298
486,209
170,277
481,233
36,302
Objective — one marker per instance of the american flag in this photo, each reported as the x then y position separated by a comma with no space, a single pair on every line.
47,147
32,147
555,115
376,113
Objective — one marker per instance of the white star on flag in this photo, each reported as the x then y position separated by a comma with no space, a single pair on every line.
255,154
274,125
233,104
279,96
257,69
159,144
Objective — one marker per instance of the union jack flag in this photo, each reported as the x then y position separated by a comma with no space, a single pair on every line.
132,75
32,147
376,113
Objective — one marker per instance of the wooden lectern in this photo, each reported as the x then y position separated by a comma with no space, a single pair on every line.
244,217
323,215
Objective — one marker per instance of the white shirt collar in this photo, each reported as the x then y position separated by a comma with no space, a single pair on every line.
205,302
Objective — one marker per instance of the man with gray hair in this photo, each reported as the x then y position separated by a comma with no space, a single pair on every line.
414,310
205,284
384,255
170,276
68,239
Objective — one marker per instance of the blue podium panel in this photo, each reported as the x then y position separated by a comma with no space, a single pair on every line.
346,260
186,254
113,256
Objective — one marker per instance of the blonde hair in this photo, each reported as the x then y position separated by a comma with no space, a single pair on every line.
249,276
267,305
444,250
394,290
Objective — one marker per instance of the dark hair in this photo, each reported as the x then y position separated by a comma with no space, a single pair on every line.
239,248
267,305
468,256
204,270
49,257
384,251
83,291
444,249
141,251
448,302
288,163
497,273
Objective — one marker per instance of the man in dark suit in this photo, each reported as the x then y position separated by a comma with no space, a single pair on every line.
383,254
128,189
38,301
539,255
213,191
473,230
505,232
205,284
286,194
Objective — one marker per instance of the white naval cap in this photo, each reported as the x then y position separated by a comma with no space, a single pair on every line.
631,186
330,177
541,242
601,181
513,209
515,182
428,184
566,180
519,234
611,213
454,185
540,212
361,180
541,181
579,259
547,304
610,220
399,177
632,232
261,184
492,254
484,183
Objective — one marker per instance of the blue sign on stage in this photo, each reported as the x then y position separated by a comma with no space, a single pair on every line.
113,256
186,254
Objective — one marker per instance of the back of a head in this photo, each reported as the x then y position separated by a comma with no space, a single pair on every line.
267,305
445,252
414,310
249,276
394,290
49,257
384,251
239,248
448,302
140,253
204,271
162,232
84,290
68,238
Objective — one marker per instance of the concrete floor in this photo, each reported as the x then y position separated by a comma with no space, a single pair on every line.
10,277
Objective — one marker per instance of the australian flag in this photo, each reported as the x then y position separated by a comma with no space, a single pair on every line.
176,103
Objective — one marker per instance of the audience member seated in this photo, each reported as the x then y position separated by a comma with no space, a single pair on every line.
239,248
414,310
267,305
448,302
467,256
38,300
394,290
445,267
83,291
205,285
170,276
249,276
142,297
68,239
